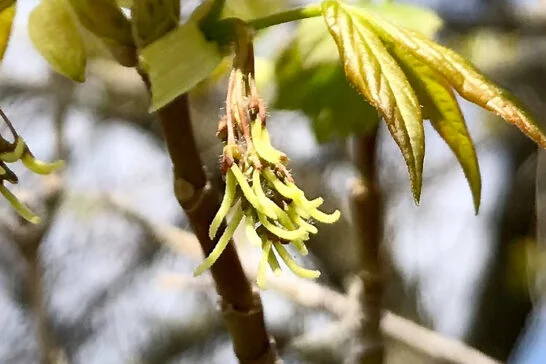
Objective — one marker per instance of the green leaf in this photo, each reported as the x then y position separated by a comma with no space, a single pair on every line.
318,46
176,62
462,75
374,72
442,109
307,71
55,35
6,20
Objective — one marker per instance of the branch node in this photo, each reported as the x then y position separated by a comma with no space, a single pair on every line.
239,323
186,194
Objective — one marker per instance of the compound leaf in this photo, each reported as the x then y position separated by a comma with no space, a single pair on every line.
370,67
440,106
462,76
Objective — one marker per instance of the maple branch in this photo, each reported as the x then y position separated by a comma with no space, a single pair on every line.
241,306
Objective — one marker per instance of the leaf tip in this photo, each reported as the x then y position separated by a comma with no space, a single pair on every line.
416,198
476,198
416,186
80,78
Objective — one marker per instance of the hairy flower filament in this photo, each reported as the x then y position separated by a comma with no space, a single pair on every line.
225,206
222,243
276,212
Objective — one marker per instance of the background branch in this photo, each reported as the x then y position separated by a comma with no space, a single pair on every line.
368,223
425,343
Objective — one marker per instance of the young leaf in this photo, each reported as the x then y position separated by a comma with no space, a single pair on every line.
442,109
371,68
6,19
55,35
178,61
463,76
308,69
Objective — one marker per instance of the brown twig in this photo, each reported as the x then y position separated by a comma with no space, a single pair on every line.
241,307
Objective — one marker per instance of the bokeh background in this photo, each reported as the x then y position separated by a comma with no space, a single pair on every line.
117,273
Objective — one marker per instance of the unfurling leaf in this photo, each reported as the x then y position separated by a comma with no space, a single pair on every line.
462,75
370,67
6,19
176,62
442,109
399,71
55,35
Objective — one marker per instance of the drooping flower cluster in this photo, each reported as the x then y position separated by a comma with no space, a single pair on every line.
259,188
19,151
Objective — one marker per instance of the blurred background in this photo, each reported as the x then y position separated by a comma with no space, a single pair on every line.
115,258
